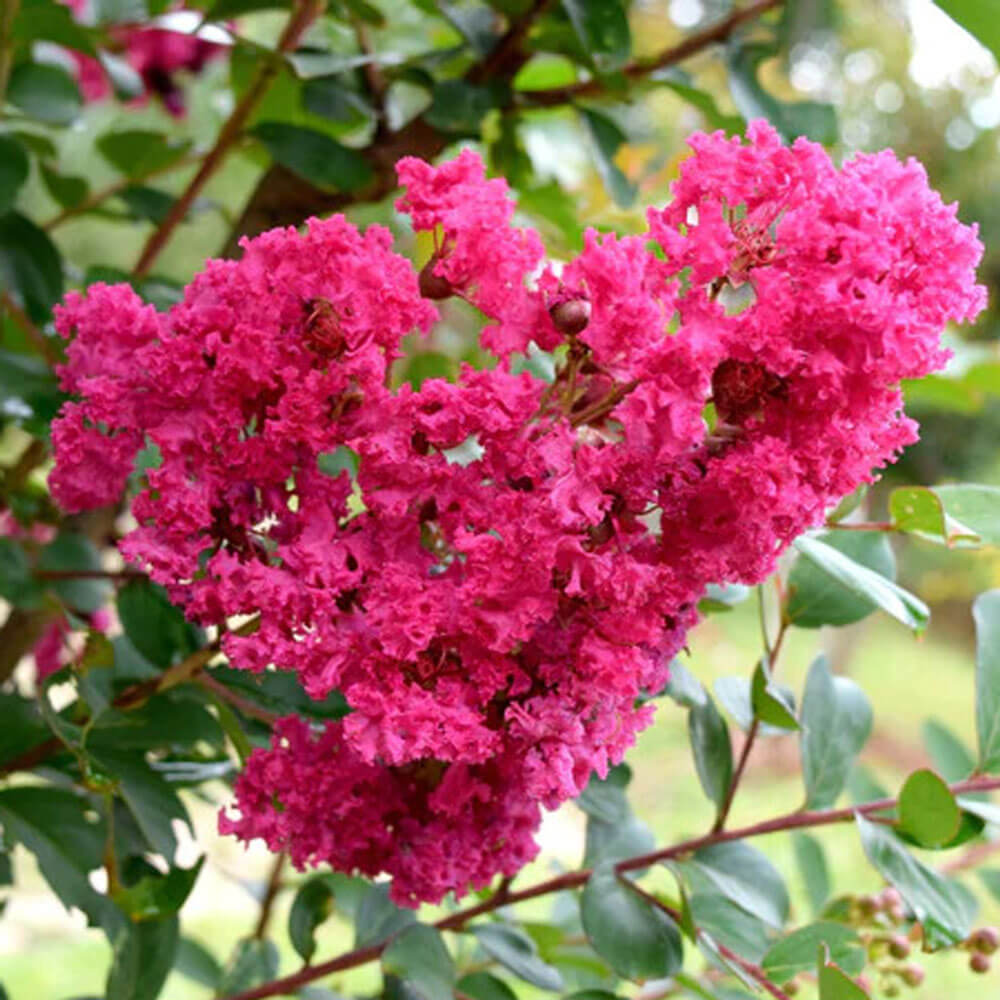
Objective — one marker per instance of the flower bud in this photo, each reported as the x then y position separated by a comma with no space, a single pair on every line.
899,946
891,988
913,975
571,316
979,963
791,988
986,940
868,906
434,286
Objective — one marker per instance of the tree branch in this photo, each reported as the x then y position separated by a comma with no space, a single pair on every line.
573,880
302,16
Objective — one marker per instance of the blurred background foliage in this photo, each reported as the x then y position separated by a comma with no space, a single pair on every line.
589,128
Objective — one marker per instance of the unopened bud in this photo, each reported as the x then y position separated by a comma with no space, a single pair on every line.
571,317
979,963
913,975
432,285
899,946
985,940
891,988
890,897
868,906
791,988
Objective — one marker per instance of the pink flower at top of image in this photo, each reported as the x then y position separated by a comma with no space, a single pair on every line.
496,571
158,54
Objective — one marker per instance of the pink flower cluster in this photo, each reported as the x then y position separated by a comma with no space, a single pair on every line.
495,571
158,55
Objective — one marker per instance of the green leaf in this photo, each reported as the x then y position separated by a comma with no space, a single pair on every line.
986,613
151,801
729,924
518,953
147,203
14,167
603,30
253,962
44,92
684,687
156,628
812,866
892,599
637,940
280,691
378,918
809,118
316,157
329,98
816,598
978,17
484,986
154,897
604,798
17,582
973,507
714,117
30,264
143,957
459,108
990,877
836,724
625,838
418,956
606,139
312,905
197,963
48,21
734,695
796,953
713,752
70,552
928,811
137,153
66,190
771,703
939,903
948,753
745,876
834,983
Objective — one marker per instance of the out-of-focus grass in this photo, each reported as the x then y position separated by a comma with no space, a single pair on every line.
907,680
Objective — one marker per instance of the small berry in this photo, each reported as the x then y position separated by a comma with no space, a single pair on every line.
899,946
571,317
913,975
891,988
432,285
791,988
986,940
979,963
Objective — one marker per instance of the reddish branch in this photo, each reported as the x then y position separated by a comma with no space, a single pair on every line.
573,880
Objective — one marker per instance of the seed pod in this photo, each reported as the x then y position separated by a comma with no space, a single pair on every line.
986,940
899,946
913,975
571,316
434,286
979,963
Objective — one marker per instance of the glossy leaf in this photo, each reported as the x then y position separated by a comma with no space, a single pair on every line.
484,986
44,92
796,953
312,905
816,598
637,940
69,553
606,139
418,956
603,29
713,752
882,592
50,21
928,811
253,961
835,984
811,861
14,168
315,156
154,897
973,508
139,152
771,703
986,613
156,628
730,925
458,107
197,963
978,18
378,918
30,265
143,957
836,724
940,904
518,953
604,798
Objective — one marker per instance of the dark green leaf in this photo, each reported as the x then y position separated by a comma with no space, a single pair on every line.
518,953
948,754
280,691
45,92
329,98
484,986
48,21
684,687
624,838
125,80
17,582
378,917
978,18
816,598
477,25
14,166
812,865
714,117
154,897
458,107
76,553
312,904
863,582
836,724
316,157
155,627
746,877
986,613
638,940
147,203
30,265
66,190
197,963
604,799
733,694
771,703
928,811
940,904
603,30
137,153
143,957
713,752
729,925
797,952
835,984
606,139
253,962
418,956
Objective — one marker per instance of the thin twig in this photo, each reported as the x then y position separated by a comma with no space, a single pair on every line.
862,525
33,333
302,16
246,706
274,886
573,880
